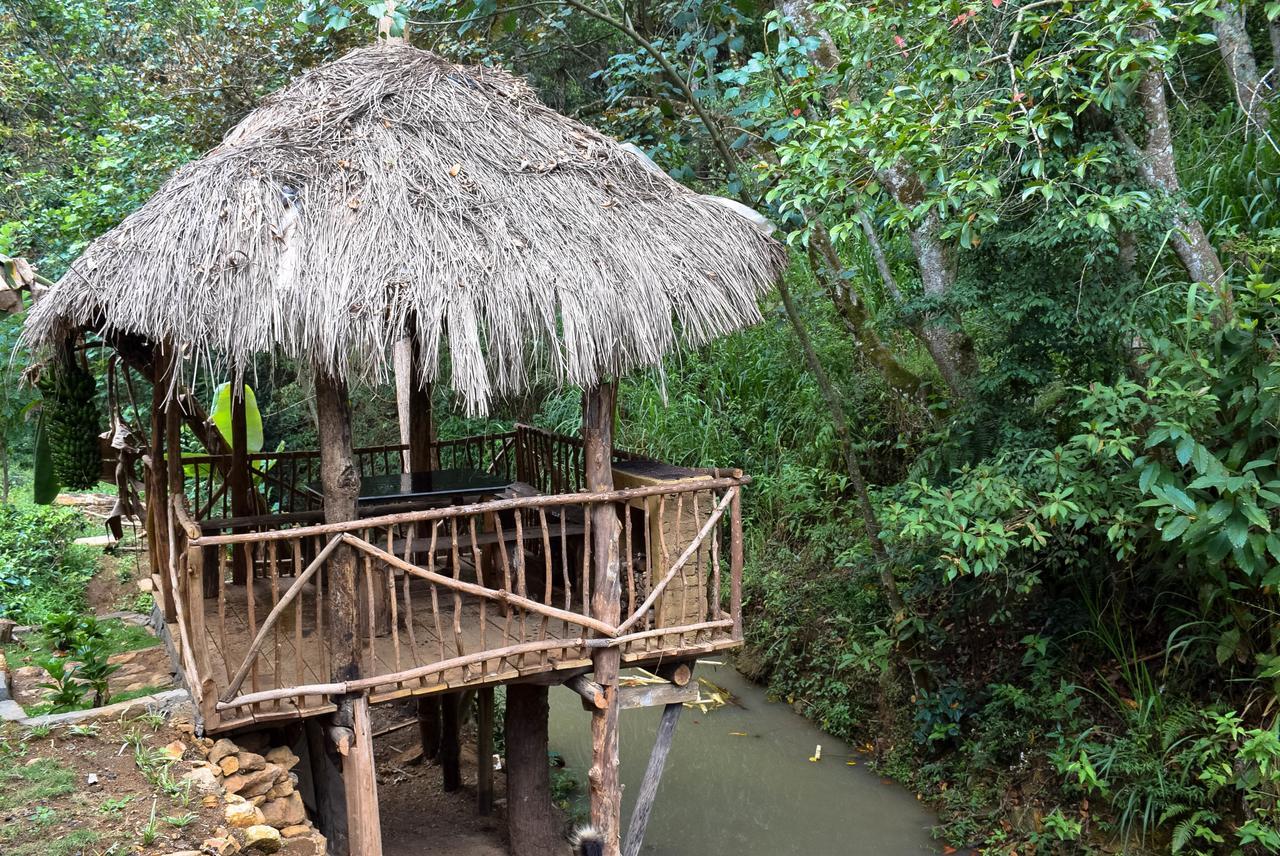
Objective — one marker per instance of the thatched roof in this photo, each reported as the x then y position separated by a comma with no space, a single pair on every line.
391,185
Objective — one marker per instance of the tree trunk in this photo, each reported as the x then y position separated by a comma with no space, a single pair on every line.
606,606
341,486
1242,68
948,345
531,820
1158,168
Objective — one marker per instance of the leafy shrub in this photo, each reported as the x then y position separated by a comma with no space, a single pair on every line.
41,571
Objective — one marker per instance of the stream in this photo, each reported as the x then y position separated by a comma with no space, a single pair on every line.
739,782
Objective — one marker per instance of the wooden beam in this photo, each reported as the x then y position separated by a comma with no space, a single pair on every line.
606,606
652,695
484,751
364,825
677,673
593,696
652,776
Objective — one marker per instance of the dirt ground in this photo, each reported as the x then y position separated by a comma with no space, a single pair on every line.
418,817
82,790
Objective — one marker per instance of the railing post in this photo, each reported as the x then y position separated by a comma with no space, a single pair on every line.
735,559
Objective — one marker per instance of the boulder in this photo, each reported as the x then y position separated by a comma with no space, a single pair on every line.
285,811
296,830
174,751
283,757
282,788
202,779
222,749
263,839
250,761
311,845
252,784
243,814
220,846
229,764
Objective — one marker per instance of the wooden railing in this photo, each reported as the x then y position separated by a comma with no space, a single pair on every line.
288,481
455,596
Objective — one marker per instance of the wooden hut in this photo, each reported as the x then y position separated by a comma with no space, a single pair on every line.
392,199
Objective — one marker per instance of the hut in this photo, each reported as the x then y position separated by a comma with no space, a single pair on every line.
394,203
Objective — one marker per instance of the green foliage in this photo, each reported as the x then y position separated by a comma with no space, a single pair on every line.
41,571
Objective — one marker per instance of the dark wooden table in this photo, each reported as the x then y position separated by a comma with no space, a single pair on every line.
434,485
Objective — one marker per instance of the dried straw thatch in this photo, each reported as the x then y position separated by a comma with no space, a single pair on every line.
392,187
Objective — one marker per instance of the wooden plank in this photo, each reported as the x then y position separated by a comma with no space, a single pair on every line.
652,695
652,776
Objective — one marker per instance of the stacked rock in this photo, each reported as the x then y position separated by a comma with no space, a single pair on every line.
259,797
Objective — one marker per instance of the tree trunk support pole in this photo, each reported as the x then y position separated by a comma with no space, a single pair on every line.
606,604
652,776
532,823
341,485
429,726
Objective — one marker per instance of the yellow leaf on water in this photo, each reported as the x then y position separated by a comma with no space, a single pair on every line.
737,734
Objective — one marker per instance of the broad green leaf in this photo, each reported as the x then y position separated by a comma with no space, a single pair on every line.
220,415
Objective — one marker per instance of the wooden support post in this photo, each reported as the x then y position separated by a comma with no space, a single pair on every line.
484,750
423,454
364,824
325,767
341,485
735,561
158,491
606,606
238,482
429,726
450,745
532,825
175,486
652,776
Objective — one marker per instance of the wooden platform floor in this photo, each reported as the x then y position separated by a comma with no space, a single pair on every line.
292,654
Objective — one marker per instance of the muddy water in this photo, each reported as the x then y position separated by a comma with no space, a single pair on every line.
725,794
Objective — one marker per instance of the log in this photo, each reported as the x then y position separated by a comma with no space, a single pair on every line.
606,606
484,751
677,673
593,696
652,776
